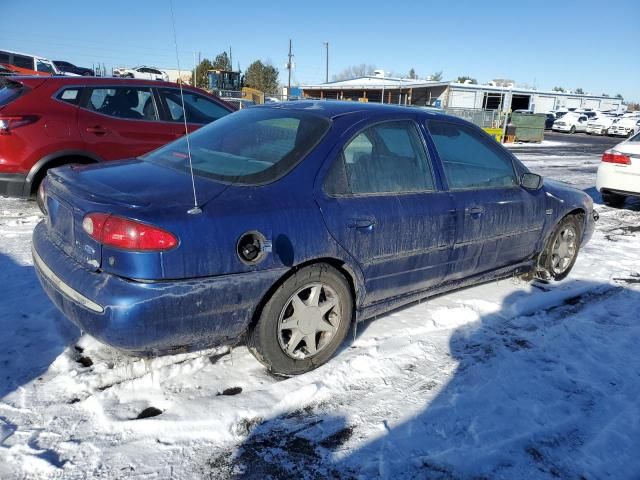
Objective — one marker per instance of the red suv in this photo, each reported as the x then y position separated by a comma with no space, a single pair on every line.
52,121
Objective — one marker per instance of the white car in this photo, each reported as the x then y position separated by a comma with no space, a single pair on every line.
619,172
571,123
626,126
600,125
144,73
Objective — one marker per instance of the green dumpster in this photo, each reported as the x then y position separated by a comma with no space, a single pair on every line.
529,126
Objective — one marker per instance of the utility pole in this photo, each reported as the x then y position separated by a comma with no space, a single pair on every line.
326,76
289,67
194,80
230,58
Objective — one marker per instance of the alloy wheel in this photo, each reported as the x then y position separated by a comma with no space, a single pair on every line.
309,320
564,249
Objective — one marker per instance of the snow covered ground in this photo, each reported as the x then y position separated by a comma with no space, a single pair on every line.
506,380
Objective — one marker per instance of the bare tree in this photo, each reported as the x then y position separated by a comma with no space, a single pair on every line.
354,71
464,78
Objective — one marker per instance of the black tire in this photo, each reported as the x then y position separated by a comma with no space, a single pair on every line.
547,261
264,340
613,199
572,130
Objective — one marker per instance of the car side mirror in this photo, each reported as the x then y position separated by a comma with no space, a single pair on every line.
531,181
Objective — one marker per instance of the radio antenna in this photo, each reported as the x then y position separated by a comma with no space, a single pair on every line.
196,209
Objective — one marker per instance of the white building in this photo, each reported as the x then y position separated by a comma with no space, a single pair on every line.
456,95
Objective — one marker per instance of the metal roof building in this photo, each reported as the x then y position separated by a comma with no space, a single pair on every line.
455,95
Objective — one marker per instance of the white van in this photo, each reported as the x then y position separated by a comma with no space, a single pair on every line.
32,62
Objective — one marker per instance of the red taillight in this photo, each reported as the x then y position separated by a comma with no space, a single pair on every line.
127,234
8,123
615,157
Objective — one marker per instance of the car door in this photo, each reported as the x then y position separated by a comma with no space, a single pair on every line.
200,110
121,121
499,223
581,124
382,203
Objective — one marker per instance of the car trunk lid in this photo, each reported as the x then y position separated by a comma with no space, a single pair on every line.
126,188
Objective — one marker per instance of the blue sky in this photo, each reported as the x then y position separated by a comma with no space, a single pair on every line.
573,44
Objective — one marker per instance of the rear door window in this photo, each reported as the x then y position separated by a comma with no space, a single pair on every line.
385,158
70,95
199,109
471,159
131,103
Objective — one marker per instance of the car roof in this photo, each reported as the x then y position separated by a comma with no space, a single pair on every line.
57,82
64,81
336,108
39,57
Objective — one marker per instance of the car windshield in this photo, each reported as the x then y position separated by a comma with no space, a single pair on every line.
249,147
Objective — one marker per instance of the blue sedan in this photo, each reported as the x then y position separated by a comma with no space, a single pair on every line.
282,225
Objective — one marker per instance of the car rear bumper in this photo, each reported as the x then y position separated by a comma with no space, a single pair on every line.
149,318
620,179
13,184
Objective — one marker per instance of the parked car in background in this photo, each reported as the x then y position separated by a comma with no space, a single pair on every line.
600,125
6,70
626,126
46,122
310,216
29,62
146,73
548,123
571,123
23,71
587,113
619,172
67,67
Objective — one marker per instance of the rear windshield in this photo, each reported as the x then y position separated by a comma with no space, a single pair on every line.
9,91
250,147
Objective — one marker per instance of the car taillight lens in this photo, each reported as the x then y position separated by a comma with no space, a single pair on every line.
127,234
11,123
615,157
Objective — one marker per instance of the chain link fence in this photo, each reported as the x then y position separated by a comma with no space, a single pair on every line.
482,118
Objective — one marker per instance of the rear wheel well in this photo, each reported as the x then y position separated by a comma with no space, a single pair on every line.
56,162
334,262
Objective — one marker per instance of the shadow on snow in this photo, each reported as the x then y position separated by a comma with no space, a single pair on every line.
32,333
546,393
